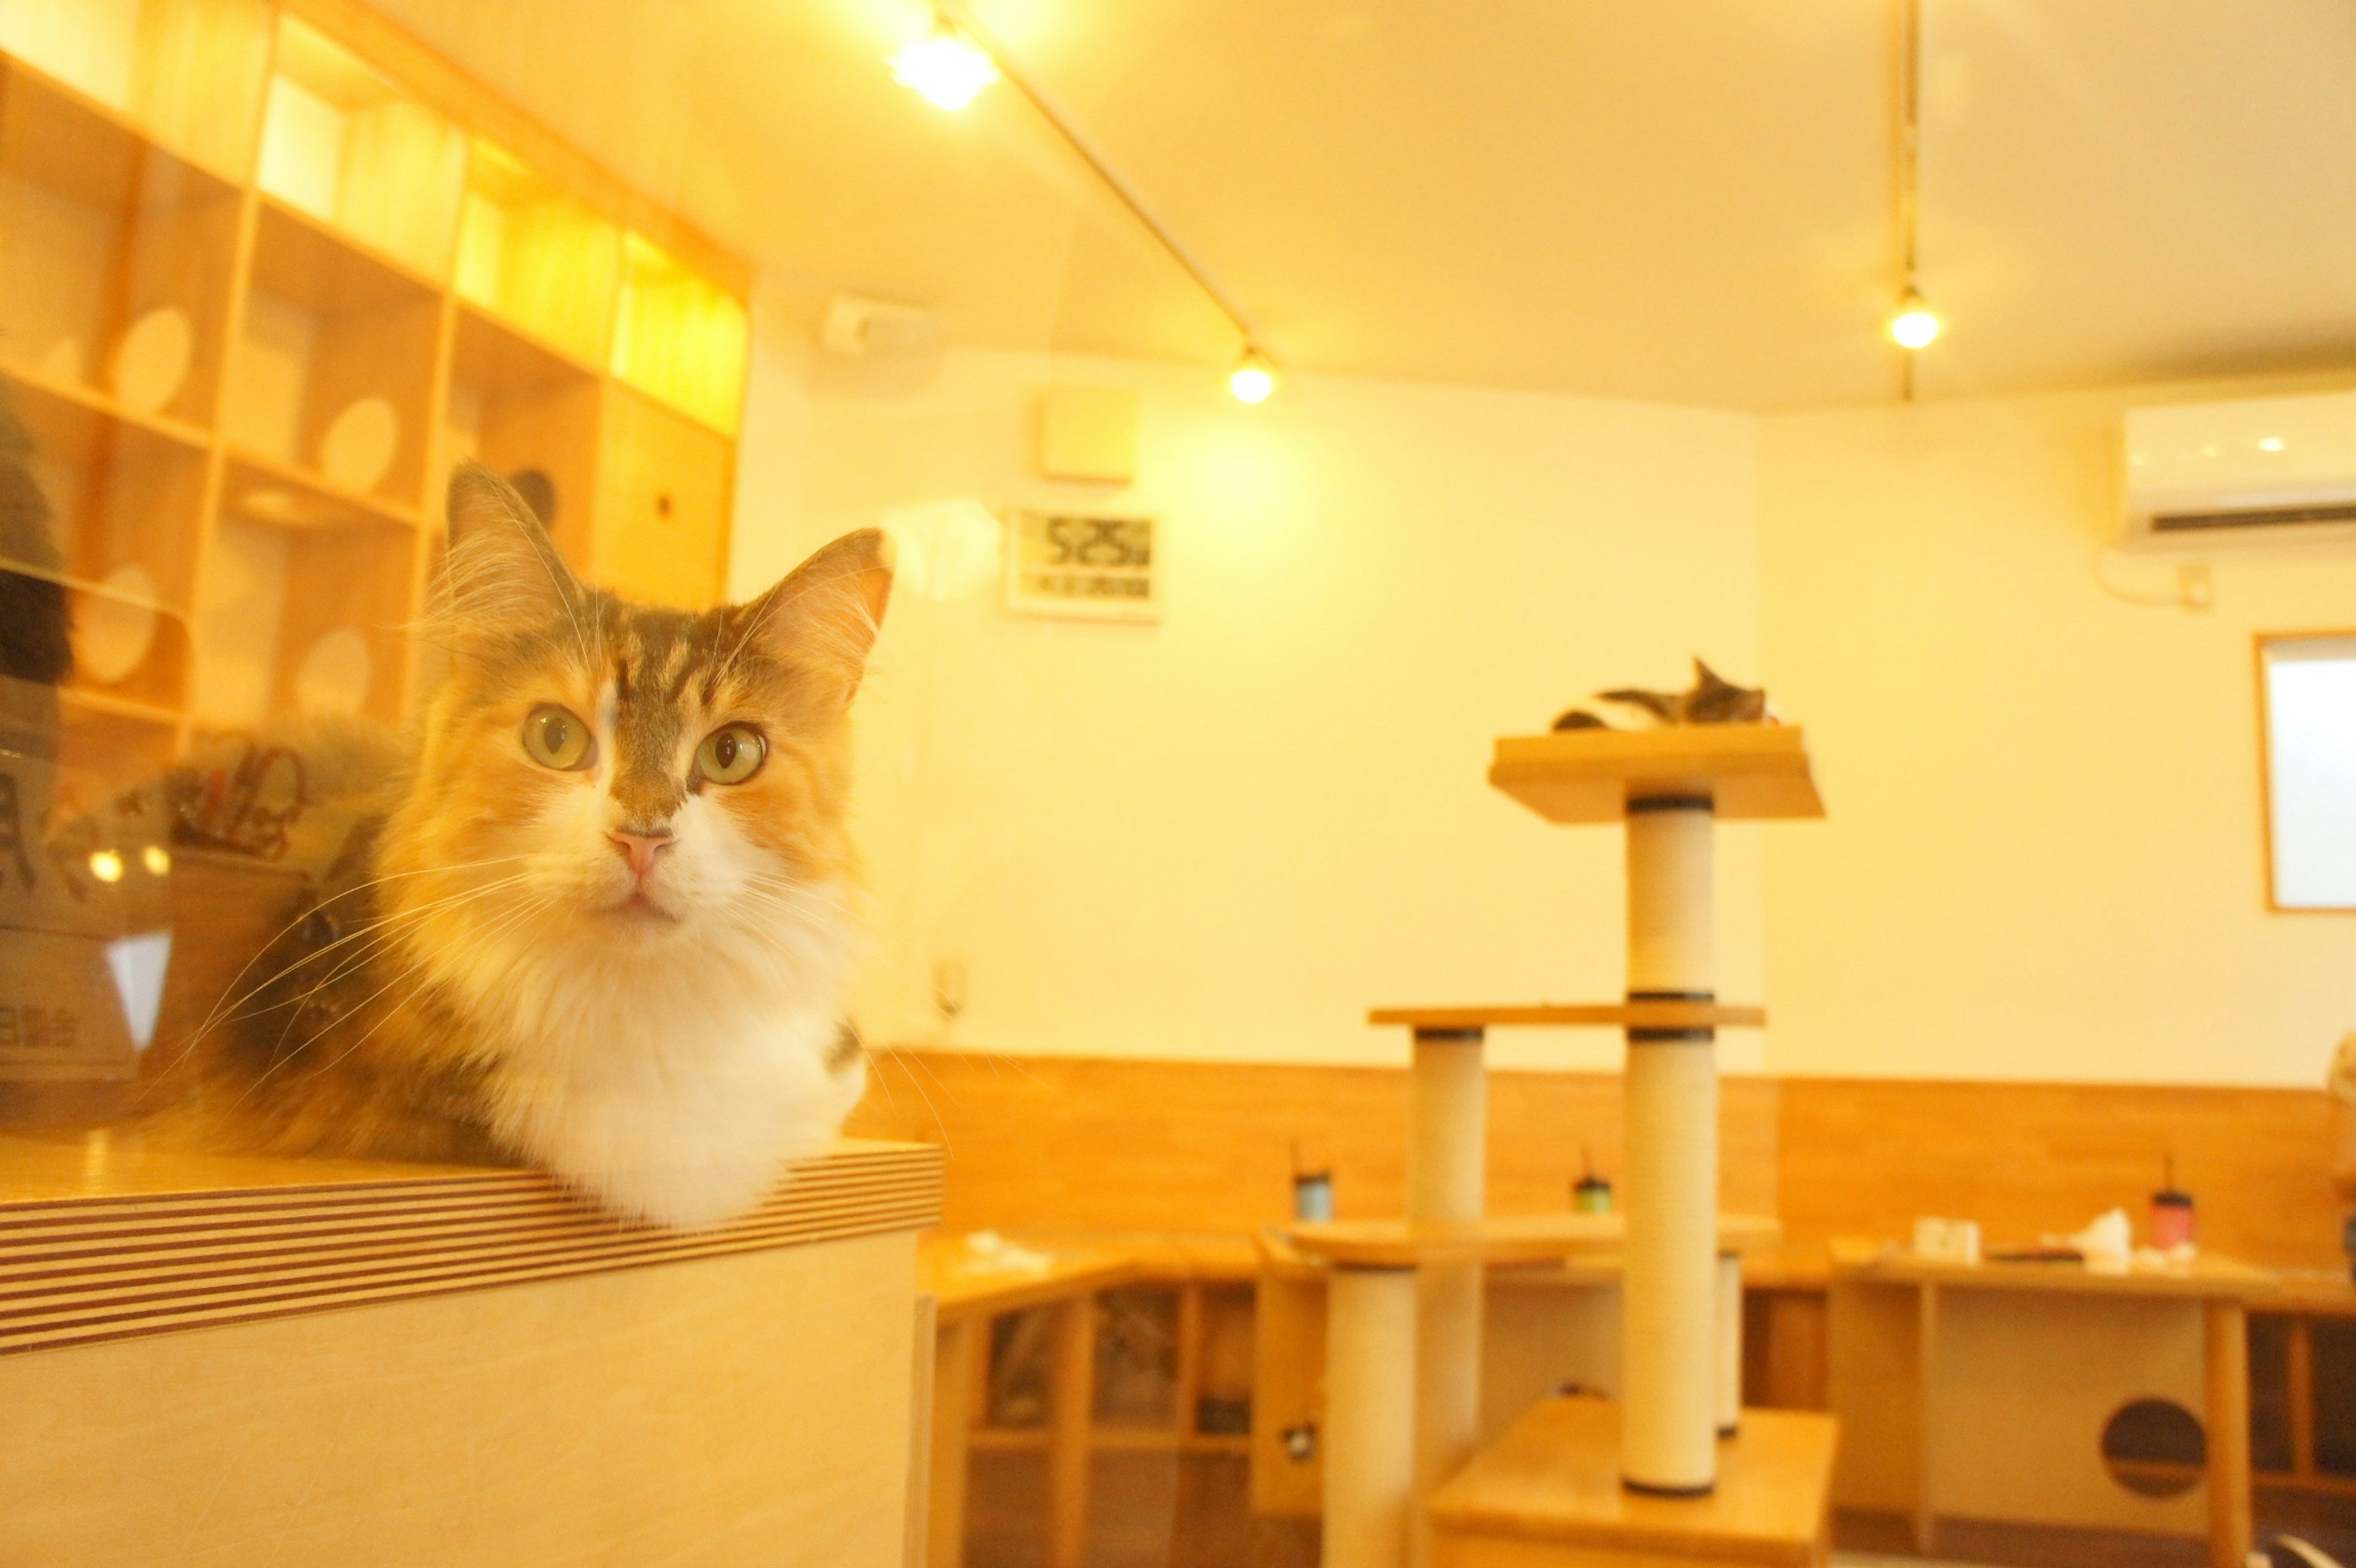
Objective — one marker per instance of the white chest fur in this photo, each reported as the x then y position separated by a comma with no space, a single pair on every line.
672,1085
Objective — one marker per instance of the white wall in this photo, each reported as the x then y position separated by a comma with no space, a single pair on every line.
2044,855
1229,834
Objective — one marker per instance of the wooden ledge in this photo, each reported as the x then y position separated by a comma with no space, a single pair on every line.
1554,1478
1501,1239
100,1243
1752,772
966,1283
2208,1277
1615,1015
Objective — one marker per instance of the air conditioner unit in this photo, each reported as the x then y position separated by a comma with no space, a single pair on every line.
2270,470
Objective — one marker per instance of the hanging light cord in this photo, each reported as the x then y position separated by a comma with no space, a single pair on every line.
1910,153
963,18
1910,133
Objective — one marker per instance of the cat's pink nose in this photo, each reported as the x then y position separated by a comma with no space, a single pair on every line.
641,850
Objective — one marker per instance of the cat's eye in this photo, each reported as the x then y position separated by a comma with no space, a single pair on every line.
730,754
554,737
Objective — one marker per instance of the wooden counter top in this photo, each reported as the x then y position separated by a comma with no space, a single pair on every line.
2320,1292
102,1240
966,1283
2207,1278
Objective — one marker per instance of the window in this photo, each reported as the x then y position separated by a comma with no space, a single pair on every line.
2307,711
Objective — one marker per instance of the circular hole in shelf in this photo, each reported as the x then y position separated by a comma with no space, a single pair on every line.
2155,1447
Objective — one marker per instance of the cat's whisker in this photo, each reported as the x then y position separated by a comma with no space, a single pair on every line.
278,935
214,1019
500,927
940,1123
409,969
295,1006
384,932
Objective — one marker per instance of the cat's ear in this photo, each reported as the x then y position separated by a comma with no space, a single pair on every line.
824,615
502,573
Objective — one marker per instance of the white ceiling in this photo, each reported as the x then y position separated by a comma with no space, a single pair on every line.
1683,201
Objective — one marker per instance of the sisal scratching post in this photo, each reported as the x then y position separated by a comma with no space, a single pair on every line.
1729,1344
1670,1335
1370,1392
1447,1180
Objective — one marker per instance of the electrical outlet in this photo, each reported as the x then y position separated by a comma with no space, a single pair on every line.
2193,589
948,989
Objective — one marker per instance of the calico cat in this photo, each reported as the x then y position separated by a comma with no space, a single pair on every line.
597,916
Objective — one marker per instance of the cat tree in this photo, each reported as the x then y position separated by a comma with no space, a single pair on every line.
1404,1352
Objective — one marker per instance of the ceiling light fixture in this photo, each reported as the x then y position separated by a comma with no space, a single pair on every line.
1913,324
1253,378
954,26
946,67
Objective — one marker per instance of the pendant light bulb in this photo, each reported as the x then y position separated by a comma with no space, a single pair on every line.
1915,324
1254,378
946,67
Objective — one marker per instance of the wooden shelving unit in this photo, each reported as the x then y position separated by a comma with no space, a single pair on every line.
267,273
1186,1390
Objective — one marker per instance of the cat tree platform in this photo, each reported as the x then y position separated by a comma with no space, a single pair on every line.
1748,772
1501,1239
1547,1494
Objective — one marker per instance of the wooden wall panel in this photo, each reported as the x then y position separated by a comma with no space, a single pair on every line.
1063,1142
1863,1156
1056,1142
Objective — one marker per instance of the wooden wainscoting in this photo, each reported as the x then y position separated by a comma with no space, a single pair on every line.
1064,1143
1864,1157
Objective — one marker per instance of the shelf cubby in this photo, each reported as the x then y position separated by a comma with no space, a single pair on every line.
336,267
343,645
108,236
108,745
662,524
680,337
524,410
342,142
304,620
535,259
126,502
326,326
187,71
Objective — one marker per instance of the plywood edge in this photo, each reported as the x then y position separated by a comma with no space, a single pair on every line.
84,1268
1615,1015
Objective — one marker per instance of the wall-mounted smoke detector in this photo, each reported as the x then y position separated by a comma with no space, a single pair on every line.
860,327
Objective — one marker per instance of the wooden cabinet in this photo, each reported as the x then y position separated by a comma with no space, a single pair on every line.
237,1359
267,273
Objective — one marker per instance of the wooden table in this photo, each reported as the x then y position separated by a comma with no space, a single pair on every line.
1898,1405
969,1290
